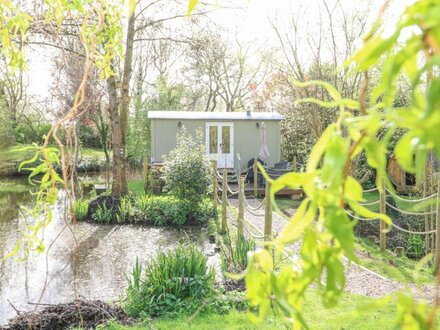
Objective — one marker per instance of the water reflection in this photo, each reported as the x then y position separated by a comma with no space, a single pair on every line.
84,261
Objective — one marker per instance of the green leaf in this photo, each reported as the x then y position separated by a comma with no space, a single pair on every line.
367,213
191,6
353,189
340,225
405,153
319,148
301,220
332,91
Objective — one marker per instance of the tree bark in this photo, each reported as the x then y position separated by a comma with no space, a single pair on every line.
125,102
118,153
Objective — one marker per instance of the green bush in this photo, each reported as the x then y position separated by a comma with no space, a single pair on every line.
25,133
150,209
163,210
89,137
103,214
175,283
187,169
80,209
204,211
156,180
6,129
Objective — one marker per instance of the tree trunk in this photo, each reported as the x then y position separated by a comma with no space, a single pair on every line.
125,100
118,152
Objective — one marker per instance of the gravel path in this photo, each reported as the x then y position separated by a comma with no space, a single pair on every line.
359,280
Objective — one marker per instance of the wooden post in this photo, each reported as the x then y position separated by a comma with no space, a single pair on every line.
224,202
214,184
145,175
240,219
255,177
437,231
426,208
383,210
432,217
294,163
268,214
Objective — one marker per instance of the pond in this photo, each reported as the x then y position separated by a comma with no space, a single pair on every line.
81,260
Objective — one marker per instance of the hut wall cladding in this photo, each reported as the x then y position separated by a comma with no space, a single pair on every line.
246,137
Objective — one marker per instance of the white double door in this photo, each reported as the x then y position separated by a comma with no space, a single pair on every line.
220,143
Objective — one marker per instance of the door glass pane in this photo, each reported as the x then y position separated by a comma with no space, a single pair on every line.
226,139
213,139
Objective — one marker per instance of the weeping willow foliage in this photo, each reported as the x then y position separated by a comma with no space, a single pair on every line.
321,221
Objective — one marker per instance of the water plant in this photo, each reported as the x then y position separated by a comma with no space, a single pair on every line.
176,282
80,209
125,210
416,246
235,254
242,247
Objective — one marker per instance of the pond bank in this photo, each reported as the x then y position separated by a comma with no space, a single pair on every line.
82,260
90,160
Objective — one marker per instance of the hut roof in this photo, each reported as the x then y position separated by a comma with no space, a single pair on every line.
248,115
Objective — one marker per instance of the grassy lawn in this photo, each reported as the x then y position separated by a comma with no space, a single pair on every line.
11,157
17,153
385,263
136,187
347,315
374,196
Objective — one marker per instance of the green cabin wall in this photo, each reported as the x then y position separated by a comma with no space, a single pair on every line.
246,138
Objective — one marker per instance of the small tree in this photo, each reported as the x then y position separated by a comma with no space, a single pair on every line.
6,129
186,169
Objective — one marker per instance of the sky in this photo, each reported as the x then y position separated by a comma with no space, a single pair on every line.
252,23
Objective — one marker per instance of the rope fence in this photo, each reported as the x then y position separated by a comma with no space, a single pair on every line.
408,200
220,181
409,212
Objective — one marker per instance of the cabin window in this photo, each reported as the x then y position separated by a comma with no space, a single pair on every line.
213,139
226,140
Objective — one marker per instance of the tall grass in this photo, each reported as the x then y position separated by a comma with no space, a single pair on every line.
125,210
242,247
174,283
80,209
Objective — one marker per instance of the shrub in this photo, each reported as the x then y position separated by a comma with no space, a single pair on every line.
161,210
25,133
156,181
204,211
186,168
175,283
103,214
416,246
6,129
81,208
89,137
155,210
